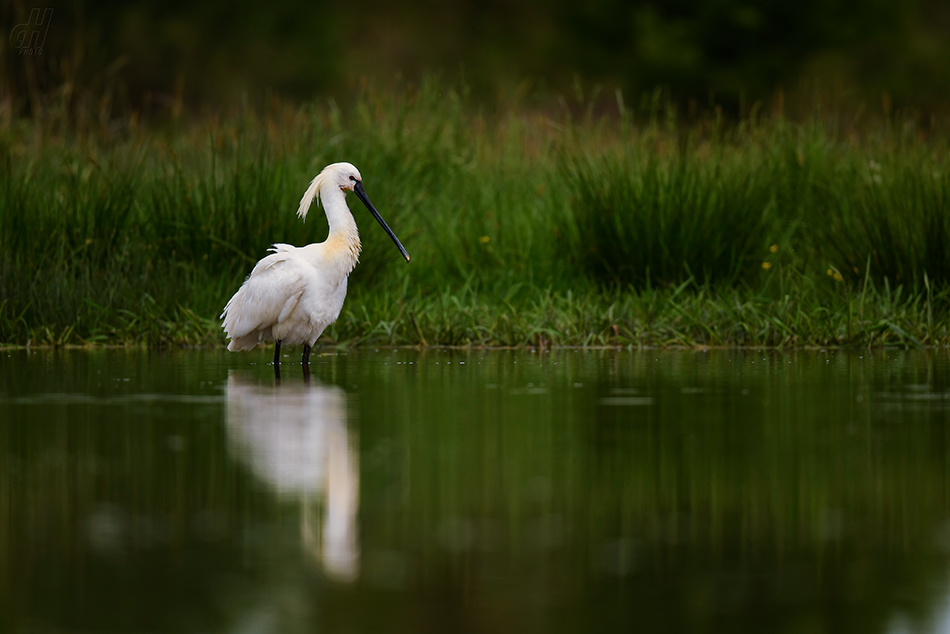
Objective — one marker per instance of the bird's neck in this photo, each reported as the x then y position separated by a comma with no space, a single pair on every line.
343,239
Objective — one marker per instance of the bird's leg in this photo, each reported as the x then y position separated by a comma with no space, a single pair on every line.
306,363
277,353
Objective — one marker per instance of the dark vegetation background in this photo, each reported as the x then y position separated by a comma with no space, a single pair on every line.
603,172
162,56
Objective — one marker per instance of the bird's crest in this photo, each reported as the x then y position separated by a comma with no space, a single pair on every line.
312,192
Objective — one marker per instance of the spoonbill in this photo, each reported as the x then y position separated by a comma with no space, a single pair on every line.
293,294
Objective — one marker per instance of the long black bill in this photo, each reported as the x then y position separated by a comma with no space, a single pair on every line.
358,189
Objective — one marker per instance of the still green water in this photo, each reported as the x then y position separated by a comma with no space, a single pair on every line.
475,491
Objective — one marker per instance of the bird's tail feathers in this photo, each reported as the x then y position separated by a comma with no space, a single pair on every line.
312,192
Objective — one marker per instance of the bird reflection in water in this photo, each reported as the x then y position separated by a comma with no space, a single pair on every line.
295,438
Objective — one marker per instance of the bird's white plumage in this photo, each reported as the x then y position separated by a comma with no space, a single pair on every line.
293,294
313,191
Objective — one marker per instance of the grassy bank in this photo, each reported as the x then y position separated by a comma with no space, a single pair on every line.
526,226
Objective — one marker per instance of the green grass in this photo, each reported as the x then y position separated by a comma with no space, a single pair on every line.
525,227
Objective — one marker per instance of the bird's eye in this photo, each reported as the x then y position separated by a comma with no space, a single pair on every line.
353,178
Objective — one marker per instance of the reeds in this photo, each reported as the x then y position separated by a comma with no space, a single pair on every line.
525,227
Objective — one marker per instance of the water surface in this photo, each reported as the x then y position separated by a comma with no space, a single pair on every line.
475,491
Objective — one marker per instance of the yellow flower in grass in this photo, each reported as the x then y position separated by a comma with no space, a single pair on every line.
835,275
484,239
766,265
773,248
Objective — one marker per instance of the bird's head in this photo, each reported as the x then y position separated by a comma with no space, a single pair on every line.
347,178
342,175
345,174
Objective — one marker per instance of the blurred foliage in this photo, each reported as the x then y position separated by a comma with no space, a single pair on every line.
626,228
165,56
648,218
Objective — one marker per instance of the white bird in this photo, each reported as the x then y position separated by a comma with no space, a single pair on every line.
292,295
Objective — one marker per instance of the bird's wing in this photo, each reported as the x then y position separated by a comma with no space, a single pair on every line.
281,254
267,297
